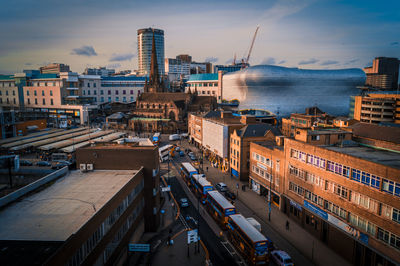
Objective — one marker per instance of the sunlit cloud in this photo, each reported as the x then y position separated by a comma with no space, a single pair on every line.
84,50
121,57
309,61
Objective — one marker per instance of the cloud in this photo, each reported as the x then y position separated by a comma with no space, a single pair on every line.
308,62
284,8
211,59
394,44
116,65
268,61
121,57
351,61
282,62
28,64
329,62
85,50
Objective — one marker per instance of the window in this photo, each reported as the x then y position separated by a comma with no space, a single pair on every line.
109,92
315,137
131,98
94,85
35,101
102,99
51,93
51,102
131,91
42,93
88,92
388,186
13,93
116,92
84,92
44,101
117,99
95,92
27,93
124,92
101,92
14,101
124,99
396,215
29,101
109,99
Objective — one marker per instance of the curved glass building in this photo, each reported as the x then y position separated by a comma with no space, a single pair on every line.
145,44
285,90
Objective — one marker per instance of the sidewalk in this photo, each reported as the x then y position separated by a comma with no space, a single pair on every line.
303,247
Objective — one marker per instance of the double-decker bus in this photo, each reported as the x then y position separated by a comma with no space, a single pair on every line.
164,151
187,171
201,186
252,245
156,138
219,207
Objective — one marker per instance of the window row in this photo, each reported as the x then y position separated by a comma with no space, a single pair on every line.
13,93
28,101
35,93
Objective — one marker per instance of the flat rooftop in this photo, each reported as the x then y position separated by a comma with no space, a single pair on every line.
57,212
388,158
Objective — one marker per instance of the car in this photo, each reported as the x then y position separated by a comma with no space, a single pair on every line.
188,151
25,163
193,158
183,202
43,163
181,153
191,153
281,258
221,187
177,148
230,195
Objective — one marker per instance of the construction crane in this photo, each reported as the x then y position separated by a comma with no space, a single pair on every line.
246,62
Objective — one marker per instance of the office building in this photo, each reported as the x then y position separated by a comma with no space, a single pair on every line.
240,141
101,71
54,68
376,107
383,74
144,40
200,67
206,84
120,89
10,92
344,193
176,69
185,58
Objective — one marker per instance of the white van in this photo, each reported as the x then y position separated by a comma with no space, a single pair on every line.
174,137
254,223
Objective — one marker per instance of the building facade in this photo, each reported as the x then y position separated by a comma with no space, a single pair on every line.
54,68
309,119
376,107
383,74
120,89
144,40
240,141
206,84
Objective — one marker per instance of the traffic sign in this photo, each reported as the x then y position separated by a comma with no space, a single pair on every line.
139,247
165,189
192,236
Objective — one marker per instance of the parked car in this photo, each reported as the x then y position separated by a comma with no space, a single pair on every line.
191,153
184,202
221,187
43,163
281,258
25,163
181,153
192,157
230,195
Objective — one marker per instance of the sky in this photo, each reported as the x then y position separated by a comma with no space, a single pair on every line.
314,34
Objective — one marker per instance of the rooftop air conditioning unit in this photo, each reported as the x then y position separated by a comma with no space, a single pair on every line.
82,166
89,167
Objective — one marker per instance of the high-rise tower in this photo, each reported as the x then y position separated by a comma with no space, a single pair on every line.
145,39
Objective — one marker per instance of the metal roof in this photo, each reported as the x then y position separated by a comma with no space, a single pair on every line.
204,77
247,228
106,138
29,136
58,211
221,199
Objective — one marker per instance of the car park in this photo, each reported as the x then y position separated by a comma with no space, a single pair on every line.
43,163
183,202
230,195
221,187
25,163
281,258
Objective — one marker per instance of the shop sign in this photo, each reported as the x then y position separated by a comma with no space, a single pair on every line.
315,210
296,205
348,229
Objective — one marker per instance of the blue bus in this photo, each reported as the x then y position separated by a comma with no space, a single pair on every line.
201,186
187,171
219,207
252,245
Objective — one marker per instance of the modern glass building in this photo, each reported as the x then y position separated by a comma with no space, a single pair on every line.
145,38
285,90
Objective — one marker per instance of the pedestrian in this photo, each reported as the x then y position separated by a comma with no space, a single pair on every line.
287,225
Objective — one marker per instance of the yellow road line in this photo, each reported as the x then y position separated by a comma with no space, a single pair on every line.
176,203
205,250
180,232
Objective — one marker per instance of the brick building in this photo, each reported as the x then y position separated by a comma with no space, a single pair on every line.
240,145
344,193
